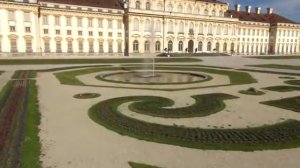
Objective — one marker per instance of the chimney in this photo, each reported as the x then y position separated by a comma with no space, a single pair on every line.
248,9
270,10
258,10
237,7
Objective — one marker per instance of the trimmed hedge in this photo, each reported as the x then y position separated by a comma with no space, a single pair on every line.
278,136
157,106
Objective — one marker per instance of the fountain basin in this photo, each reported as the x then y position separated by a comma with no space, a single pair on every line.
157,78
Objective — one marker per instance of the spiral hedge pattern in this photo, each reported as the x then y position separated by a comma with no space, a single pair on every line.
277,136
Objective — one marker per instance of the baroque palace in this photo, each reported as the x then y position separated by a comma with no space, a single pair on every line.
98,26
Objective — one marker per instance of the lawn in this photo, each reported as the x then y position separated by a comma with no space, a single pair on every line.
282,88
140,165
236,77
292,103
277,66
91,61
276,57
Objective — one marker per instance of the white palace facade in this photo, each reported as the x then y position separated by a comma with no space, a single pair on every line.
97,26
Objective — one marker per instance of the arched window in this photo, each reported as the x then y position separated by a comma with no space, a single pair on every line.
225,47
158,26
210,29
232,47
157,46
159,6
135,46
170,8
170,45
179,8
219,30
201,28
226,30
147,25
200,46
191,28
213,13
209,46
180,46
206,12
217,46
138,5
181,27
148,5
189,9
221,13
170,26
147,46
136,24
197,11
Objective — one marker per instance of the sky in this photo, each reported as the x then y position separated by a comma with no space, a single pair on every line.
287,8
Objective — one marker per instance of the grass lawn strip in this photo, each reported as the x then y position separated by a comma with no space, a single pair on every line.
31,147
19,117
140,165
276,57
292,103
278,136
277,66
90,61
293,82
236,78
282,88
156,106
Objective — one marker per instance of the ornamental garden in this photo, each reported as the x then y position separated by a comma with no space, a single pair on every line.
123,112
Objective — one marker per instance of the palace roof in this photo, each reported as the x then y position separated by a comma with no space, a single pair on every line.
255,17
112,4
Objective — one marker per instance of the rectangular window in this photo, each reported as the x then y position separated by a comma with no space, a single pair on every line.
110,34
12,28
58,46
80,46
57,32
69,32
119,47
47,46
11,15
101,47
119,34
100,34
45,20
57,20
70,47
90,33
119,24
91,47
80,33
27,17
46,31
79,22
110,24
13,46
100,23
90,22
110,47
28,46
27,29
68,21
